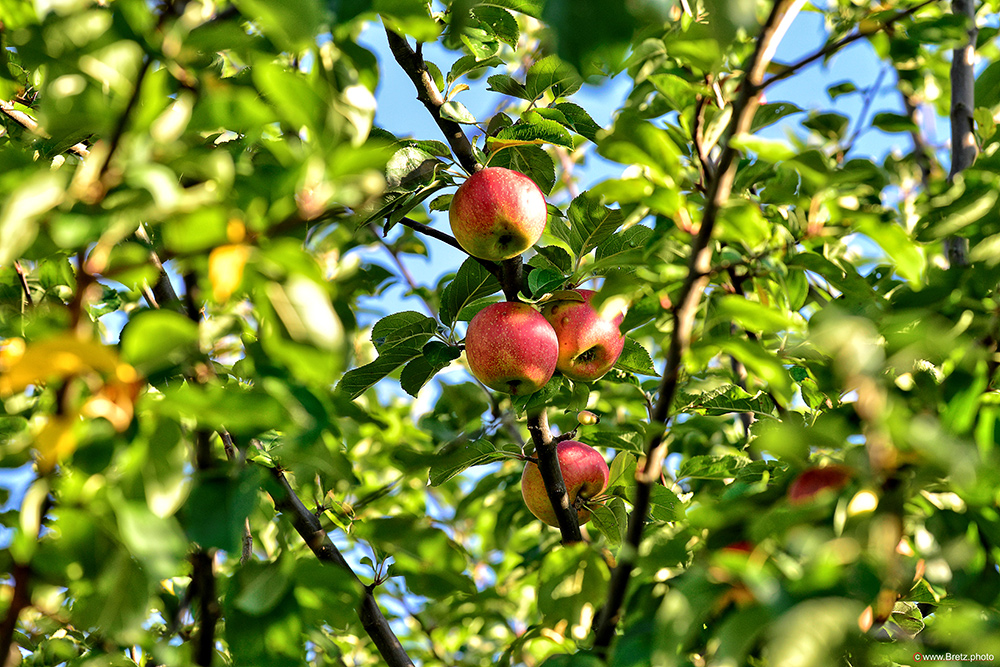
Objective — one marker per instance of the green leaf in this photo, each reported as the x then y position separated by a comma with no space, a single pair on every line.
636,141
711,467
454,461
405,329
498,22
218,507
35,195
769,114
844,88
751,315
507,85
537,131
155,341
532,161
532,8
291,25
457,112
570,579
543,281
828,125
589,224
728,399
611,519
622,249
552,257
551,73
664,505
580,120
894,122
472,282
987,88
467,64
635,359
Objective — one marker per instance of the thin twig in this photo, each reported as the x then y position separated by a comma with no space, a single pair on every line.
415,68
830,49
309,528
119,129
686,306
31,125
427,230
23,278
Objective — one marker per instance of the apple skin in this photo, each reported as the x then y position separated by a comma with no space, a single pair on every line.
589,345
510,347
811,482
584,471
497,214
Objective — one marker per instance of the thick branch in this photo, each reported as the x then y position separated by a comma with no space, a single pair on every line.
963,103
699,269
555,487
308,526
428,94
830,49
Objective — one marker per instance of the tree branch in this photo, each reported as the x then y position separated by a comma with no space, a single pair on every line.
555,487
687,302
963,103
494,268
413,64
20,599
308,526
31,125
830,49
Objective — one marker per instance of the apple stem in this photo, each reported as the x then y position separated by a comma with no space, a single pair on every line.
555,486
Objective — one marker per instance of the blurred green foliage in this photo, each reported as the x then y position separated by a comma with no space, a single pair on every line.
235,142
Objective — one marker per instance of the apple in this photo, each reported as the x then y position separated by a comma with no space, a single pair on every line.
510,347
811,482
497,214
584,471
589,344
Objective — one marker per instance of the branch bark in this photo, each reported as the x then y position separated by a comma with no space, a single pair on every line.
687,302
963,103
308,526
416,69
555,487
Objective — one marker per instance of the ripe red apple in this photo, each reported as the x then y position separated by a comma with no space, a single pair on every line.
814,481
584,471
497,214
511,347
589,345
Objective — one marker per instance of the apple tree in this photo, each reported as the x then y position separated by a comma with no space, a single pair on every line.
227,440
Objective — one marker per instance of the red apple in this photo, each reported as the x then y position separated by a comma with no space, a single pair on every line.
589,345
584,471
814,481
511,347
497,214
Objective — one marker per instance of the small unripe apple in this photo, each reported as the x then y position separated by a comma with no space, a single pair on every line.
814,481
511,347
589,344
584,471
497,214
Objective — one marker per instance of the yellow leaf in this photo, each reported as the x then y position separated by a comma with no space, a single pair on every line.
55,442
59,357
225,269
